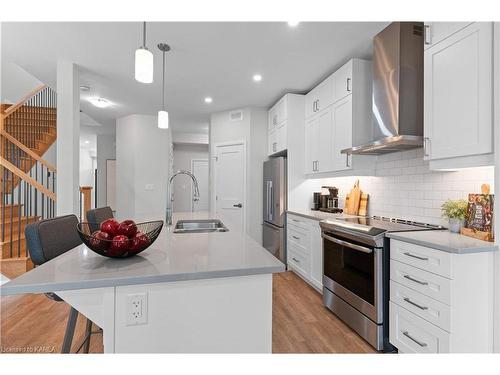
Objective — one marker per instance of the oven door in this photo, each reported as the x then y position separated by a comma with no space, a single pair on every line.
353,272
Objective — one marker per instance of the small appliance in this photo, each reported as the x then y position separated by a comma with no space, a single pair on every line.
330,199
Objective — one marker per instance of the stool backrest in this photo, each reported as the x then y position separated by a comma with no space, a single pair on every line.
97,216
47,239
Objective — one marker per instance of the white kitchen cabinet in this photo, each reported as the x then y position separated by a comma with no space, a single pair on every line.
304,249
340,125
278,122
320,97
440,302
458,95
437,31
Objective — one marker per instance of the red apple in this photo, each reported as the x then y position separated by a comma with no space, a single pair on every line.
120,245
127,228
139,242
110,226
100,240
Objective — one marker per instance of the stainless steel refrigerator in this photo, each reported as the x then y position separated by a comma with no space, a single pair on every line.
275,189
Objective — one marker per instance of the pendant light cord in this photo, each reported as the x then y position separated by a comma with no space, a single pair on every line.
163,83
144,34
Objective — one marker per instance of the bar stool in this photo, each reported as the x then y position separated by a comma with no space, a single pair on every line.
97,216
47,239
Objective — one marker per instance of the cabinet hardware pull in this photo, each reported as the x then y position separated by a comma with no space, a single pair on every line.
295,260
317,163
348,84
415,280
347,164
426,151
297,238
317,105
415,256
427,34
415,304
421,344
297,221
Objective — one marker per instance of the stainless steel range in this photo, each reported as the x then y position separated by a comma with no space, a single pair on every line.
356,272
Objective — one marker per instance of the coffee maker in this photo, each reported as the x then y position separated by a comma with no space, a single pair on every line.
329,201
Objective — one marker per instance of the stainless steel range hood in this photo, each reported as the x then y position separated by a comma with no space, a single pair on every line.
397,98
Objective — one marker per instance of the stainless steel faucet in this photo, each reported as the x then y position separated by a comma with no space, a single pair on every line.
170,194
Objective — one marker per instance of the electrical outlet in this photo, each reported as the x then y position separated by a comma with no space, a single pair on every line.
137,309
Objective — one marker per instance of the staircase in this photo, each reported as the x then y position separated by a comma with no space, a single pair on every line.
27,181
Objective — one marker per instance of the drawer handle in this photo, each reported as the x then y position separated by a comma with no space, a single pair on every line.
295,260
415,256
421,344
415,280
297,221
415,304
297,238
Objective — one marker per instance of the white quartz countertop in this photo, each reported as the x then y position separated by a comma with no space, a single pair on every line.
445,241
172,257
318,215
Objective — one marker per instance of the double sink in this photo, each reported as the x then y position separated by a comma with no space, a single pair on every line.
199,226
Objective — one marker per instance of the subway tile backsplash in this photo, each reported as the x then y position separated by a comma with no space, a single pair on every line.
404,187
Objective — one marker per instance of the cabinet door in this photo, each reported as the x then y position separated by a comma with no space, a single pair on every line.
281,110
310,100
458,94
437,31
324,94
281,137
343,81
323,143
342,132
272,142
311,147
272,118
316,256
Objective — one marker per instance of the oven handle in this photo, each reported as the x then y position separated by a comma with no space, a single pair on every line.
363,249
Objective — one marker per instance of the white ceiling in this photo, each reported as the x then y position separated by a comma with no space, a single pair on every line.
214,59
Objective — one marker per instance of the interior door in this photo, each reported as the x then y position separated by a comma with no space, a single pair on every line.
200,170
230,185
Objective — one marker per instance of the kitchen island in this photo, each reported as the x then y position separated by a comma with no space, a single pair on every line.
197,292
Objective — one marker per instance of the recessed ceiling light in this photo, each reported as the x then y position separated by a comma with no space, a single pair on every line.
257,77
99,102
87,142
208,99
293,23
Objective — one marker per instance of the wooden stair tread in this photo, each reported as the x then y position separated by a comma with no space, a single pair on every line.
18,238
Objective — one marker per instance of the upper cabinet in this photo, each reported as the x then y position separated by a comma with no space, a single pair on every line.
338,114
280,117
458,94
437,31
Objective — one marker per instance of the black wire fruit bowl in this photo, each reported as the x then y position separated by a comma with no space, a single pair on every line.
119,246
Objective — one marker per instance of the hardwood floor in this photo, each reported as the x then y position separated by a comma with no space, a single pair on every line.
300,323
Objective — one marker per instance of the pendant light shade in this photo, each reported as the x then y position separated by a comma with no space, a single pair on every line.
163,119
163,114
143,65
143,61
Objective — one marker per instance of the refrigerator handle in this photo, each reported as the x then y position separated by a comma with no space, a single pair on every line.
268,200
272,200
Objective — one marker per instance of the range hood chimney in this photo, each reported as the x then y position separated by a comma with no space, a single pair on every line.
397,97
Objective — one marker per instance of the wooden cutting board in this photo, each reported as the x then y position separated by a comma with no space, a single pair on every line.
352,206
363,205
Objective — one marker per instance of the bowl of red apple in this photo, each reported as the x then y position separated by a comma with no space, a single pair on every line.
116,239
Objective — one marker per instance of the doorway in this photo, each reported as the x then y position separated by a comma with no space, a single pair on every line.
230,184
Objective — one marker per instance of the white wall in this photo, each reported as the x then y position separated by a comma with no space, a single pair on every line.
183,154
404,187
16,83
142,166
106,149
253,130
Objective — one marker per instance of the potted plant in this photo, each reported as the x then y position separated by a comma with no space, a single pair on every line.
455,211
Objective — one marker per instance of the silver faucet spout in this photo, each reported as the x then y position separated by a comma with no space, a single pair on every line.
170,195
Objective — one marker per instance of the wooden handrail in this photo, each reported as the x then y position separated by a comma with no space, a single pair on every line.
23,176
21,102
27,150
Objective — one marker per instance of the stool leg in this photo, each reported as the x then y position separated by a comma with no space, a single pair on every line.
70,331
88,335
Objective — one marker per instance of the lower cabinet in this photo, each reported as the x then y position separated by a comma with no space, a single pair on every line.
304,249
440,302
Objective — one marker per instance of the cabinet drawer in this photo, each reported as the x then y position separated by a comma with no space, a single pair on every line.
298,236
425,307
431,260
427,283
298,261
298,221
411,334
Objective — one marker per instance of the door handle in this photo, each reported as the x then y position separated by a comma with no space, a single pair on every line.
353,246
239,205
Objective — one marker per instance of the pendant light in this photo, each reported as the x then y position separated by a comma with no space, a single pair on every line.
143,61
163,114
